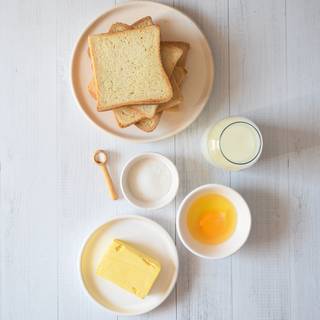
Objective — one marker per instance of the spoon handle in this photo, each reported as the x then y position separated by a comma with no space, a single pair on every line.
112,191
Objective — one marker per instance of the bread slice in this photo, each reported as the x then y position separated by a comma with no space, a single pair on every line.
125,116
176,99
169,55
179,74
142,23
119,27
177,78
139,24
149,125
128,68
139,112
184,46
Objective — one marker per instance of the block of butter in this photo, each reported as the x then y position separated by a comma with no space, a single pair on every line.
129,268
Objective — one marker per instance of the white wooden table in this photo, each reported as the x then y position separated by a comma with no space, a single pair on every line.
52,195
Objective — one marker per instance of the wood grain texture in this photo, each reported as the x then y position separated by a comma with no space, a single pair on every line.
52,194
204,287
303,74
28,219
261,270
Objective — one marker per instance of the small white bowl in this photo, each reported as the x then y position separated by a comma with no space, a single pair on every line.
230,246
155,203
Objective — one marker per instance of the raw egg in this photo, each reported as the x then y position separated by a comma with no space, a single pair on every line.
211,218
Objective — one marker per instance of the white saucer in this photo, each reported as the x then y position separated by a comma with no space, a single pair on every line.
174,26
146,235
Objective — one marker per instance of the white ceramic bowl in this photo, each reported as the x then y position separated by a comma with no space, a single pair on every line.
159,202
226,248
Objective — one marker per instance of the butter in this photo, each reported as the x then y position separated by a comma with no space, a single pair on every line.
129,268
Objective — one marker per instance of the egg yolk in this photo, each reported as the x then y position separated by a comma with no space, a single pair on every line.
211,218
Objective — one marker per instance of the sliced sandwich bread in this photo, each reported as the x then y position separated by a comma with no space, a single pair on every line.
128,68
169,55
184,46
149,125
176,99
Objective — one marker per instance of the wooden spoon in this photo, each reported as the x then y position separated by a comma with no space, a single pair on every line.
101,158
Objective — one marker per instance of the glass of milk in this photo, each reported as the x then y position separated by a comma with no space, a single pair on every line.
233,144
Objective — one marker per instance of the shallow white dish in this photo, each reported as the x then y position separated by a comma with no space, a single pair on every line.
174,26
150,238
238,238
159,202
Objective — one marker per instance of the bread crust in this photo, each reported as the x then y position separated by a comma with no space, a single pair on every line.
148,125
185,46
108,106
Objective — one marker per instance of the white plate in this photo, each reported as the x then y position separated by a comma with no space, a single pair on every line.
174,26
150,238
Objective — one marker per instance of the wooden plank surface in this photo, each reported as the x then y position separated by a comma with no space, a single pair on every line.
204,287
52,195
260,276
303,100
28,213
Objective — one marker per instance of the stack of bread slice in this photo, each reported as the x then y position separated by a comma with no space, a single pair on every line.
136,75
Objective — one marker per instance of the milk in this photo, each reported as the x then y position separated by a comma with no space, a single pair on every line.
234,143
